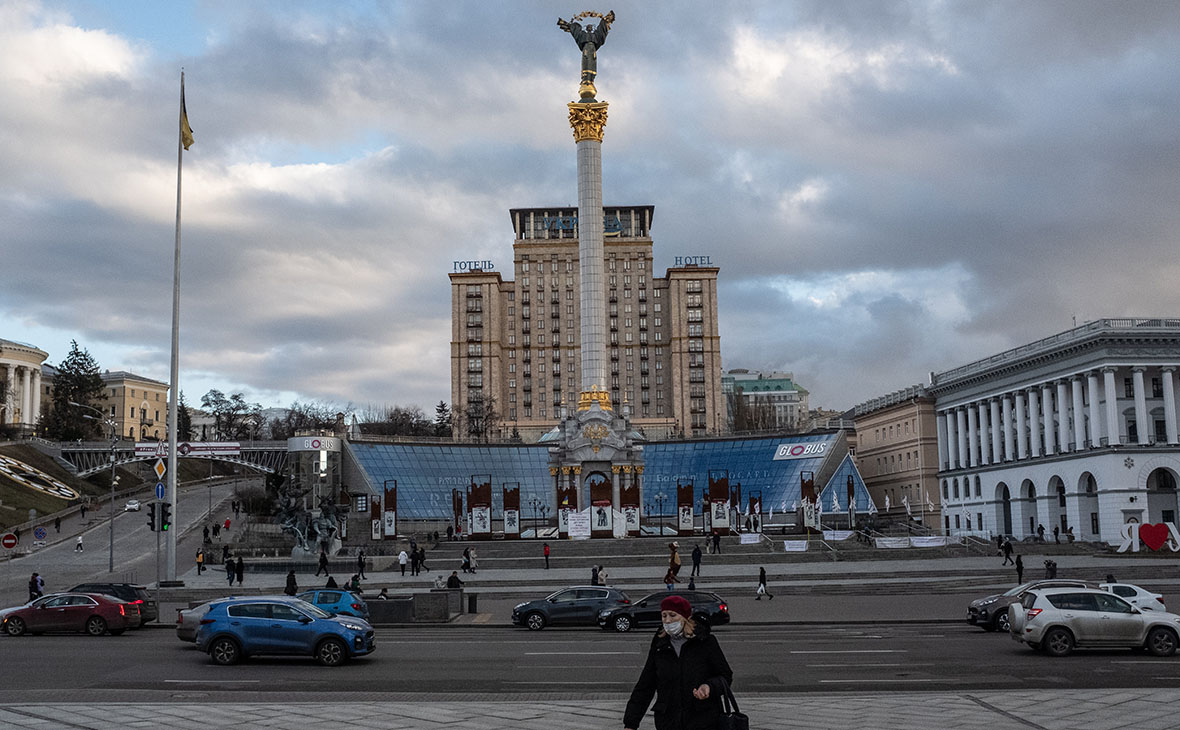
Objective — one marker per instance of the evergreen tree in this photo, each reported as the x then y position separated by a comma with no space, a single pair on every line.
77,381
184,421
442,419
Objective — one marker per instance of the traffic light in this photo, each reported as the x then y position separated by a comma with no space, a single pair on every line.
165,516
152,516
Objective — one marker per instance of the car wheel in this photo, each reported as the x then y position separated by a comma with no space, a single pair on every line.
535,621
622,624
15,626
225,651
1161,642
96,626
331,652
1001,622
1057,642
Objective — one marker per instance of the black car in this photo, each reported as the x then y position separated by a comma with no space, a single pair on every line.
707,607
576,606
990,613
129,592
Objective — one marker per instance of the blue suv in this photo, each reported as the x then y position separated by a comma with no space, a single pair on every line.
334,600
240,627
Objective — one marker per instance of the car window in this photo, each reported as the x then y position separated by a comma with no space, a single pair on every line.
250,610
565,596
284,613
1028,600
1124,591
57,602
308,596
328,597
82,601
1073,601
590,594
315,611
1112,604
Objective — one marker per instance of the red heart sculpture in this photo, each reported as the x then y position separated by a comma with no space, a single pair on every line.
1153,536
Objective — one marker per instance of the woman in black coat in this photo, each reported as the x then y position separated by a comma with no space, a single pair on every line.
686,671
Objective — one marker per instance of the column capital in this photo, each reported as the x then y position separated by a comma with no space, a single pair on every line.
1168,368
1077,377
1108,370
588,120
1138,368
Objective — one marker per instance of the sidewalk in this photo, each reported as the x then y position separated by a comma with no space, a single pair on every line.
985,710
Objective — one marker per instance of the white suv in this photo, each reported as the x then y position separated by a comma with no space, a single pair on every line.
1058,619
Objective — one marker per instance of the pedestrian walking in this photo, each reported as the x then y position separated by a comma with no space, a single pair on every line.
716,542
414,565
57,524
83,511
292,587
1019,570
323,564
33,594
601,575
450,533
696,560
474,560
224,553
692,583
546,551
360,564
217,531
594,575
226,525
1056,534
237,510
674,558
999,544
1040,533
40,585
200,560
762,586
413,545
240,569
402,559
1007,548
670,579
230,569
466,560
205,534
78,545
422,559
686,672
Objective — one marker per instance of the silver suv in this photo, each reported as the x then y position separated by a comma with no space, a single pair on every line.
1058,619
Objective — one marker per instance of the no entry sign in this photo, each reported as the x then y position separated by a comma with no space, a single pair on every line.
8,541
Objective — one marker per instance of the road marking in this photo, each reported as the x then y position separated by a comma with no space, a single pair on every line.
849,651
547,682
578,653
874,681
212,681
858,664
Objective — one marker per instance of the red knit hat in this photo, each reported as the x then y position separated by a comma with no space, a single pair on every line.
678,604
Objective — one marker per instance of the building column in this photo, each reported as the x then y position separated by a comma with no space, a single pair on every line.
1169,378
1062,418
1114,424
961,435
1034,422
952,440
972,437
1095,423
26,402
1079,414
1047,419
984,433
1021,427
1009,442
1141,424
942,443
11,391
36,394
997,427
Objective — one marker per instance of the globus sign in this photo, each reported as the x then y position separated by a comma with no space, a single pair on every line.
1154,537
801,451
313,443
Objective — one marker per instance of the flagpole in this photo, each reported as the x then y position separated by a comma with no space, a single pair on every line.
174,390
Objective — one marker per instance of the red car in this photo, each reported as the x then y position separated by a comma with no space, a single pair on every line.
92,613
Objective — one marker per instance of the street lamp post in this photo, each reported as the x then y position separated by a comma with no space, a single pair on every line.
660,499
104,419
539,508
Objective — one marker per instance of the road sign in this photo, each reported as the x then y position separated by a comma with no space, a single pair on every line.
159,468
39,533
159,490
8,541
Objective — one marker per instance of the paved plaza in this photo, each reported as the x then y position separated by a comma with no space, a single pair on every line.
1045,709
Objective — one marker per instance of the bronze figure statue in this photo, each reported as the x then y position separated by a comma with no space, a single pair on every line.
589,38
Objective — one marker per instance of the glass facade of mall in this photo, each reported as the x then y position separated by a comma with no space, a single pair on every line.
426,473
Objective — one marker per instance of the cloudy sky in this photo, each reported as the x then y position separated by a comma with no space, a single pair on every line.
889,188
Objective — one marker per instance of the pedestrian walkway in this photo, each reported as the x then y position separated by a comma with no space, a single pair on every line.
1141,709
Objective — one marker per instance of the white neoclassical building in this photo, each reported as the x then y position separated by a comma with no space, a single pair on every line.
20,384
1078,431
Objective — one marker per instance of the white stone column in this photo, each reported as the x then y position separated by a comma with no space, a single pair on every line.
1034,422
997,425
952,440
1021,427
1062,418
961,434
1168,374
1079,414
1141,424
26,402
972,436
36,395
943,451
1009,442
1095,421
1114,424
1047,419
588,131
10,380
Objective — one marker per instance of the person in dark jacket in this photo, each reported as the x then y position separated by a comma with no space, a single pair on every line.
292,587
240,569
686,672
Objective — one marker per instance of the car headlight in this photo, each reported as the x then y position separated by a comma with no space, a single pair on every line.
353,627
604,613
519,606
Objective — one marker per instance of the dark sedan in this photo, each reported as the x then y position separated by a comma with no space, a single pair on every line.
707,607
89,613
991,612
576,606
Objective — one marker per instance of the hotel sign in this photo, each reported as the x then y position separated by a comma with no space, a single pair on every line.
693,261
473,265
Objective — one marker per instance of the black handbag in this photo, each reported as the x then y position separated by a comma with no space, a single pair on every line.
731,717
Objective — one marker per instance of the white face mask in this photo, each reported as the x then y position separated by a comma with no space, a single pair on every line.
673,628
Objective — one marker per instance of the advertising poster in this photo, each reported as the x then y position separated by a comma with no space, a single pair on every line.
601,514
579,525
481,520
511,522
389,523
684,516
